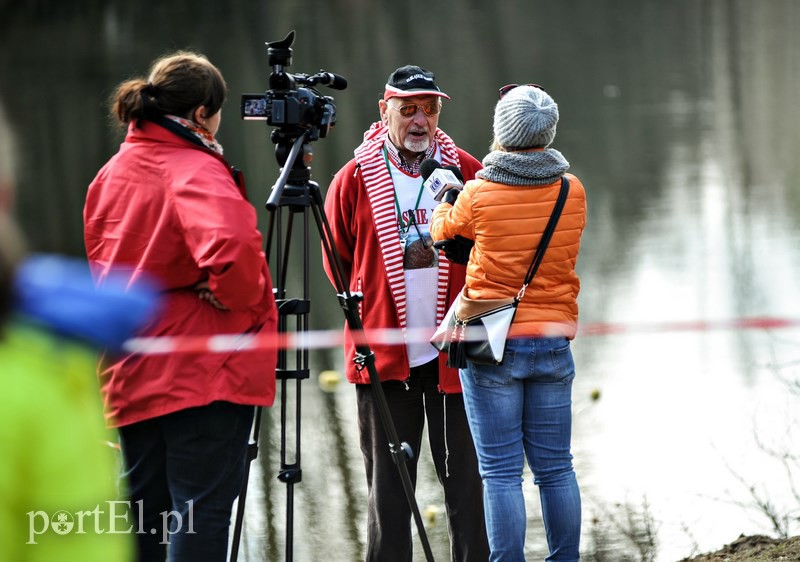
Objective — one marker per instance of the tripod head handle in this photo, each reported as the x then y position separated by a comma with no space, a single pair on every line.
277,189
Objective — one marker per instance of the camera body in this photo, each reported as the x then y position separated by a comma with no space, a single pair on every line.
292,104
302,109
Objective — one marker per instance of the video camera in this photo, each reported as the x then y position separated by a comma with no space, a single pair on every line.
292,104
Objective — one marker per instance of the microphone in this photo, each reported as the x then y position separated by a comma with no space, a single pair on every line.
439,179
330,79
427,167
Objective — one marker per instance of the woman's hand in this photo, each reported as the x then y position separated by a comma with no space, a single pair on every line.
457,249
204,293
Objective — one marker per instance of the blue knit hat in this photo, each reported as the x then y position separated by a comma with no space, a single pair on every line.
525,117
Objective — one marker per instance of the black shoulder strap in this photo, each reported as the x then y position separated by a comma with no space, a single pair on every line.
548,232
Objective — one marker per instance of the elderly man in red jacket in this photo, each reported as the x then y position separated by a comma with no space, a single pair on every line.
379,215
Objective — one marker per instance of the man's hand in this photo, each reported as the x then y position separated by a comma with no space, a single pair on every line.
456,249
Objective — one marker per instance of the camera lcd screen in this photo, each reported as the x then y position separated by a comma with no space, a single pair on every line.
254,107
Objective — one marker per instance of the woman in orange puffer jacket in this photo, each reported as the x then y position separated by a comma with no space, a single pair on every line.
523,408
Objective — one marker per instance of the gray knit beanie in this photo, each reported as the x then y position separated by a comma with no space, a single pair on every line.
525,117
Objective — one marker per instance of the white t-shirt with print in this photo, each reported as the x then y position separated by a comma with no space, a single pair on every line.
420,264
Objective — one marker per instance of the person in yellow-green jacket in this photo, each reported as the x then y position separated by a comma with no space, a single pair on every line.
59,496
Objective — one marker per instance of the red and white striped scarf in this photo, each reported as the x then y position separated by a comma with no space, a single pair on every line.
380,190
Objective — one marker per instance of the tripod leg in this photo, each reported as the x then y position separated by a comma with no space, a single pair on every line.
252,453
290,472
299,308
400,452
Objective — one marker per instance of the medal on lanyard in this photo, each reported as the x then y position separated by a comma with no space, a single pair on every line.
403,229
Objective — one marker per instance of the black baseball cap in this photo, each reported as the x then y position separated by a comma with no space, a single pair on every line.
411,80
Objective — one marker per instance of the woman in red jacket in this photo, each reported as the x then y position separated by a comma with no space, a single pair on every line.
168,207
522,408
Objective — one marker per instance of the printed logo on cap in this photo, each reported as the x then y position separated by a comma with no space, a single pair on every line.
418,76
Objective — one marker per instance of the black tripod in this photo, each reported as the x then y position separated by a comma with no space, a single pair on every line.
295,193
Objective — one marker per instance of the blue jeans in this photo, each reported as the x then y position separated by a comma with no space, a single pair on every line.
184,470
521,409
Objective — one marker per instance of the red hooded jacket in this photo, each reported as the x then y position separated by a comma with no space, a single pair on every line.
170,210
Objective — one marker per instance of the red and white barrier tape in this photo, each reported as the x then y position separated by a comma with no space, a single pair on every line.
752,323
321,339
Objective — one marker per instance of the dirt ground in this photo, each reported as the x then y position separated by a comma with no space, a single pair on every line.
755,548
